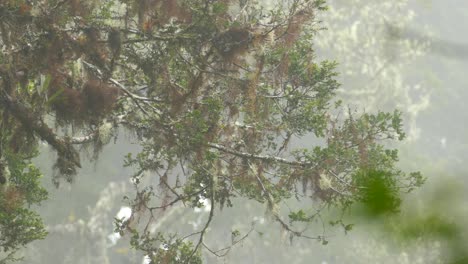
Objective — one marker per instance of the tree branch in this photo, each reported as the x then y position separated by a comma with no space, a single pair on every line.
259,157
83,139
37,125
134,97
88,138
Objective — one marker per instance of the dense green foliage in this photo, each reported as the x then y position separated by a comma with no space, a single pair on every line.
19,225
216,93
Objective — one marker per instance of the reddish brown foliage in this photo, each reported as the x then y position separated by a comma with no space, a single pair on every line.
99,98
94,101
12,199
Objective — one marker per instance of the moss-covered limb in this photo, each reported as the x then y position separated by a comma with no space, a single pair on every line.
259,157
36,125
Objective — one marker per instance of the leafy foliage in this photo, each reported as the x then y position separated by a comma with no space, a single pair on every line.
20,225
215,93
378,193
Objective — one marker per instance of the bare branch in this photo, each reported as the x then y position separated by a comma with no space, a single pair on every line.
228,248
83,139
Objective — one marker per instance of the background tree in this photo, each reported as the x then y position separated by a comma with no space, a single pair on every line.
374,56
214,93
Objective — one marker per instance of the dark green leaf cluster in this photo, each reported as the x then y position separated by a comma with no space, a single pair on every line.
378,192
19,225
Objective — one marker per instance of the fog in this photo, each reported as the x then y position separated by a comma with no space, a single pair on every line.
407,55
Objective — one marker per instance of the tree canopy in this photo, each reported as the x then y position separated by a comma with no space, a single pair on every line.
218,94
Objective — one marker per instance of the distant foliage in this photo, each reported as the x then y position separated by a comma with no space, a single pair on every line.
368,39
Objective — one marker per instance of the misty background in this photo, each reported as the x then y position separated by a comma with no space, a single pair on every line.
410,55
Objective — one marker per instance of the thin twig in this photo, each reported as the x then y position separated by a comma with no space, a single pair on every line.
210,217
228,248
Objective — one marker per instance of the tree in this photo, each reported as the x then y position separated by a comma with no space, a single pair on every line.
215,92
